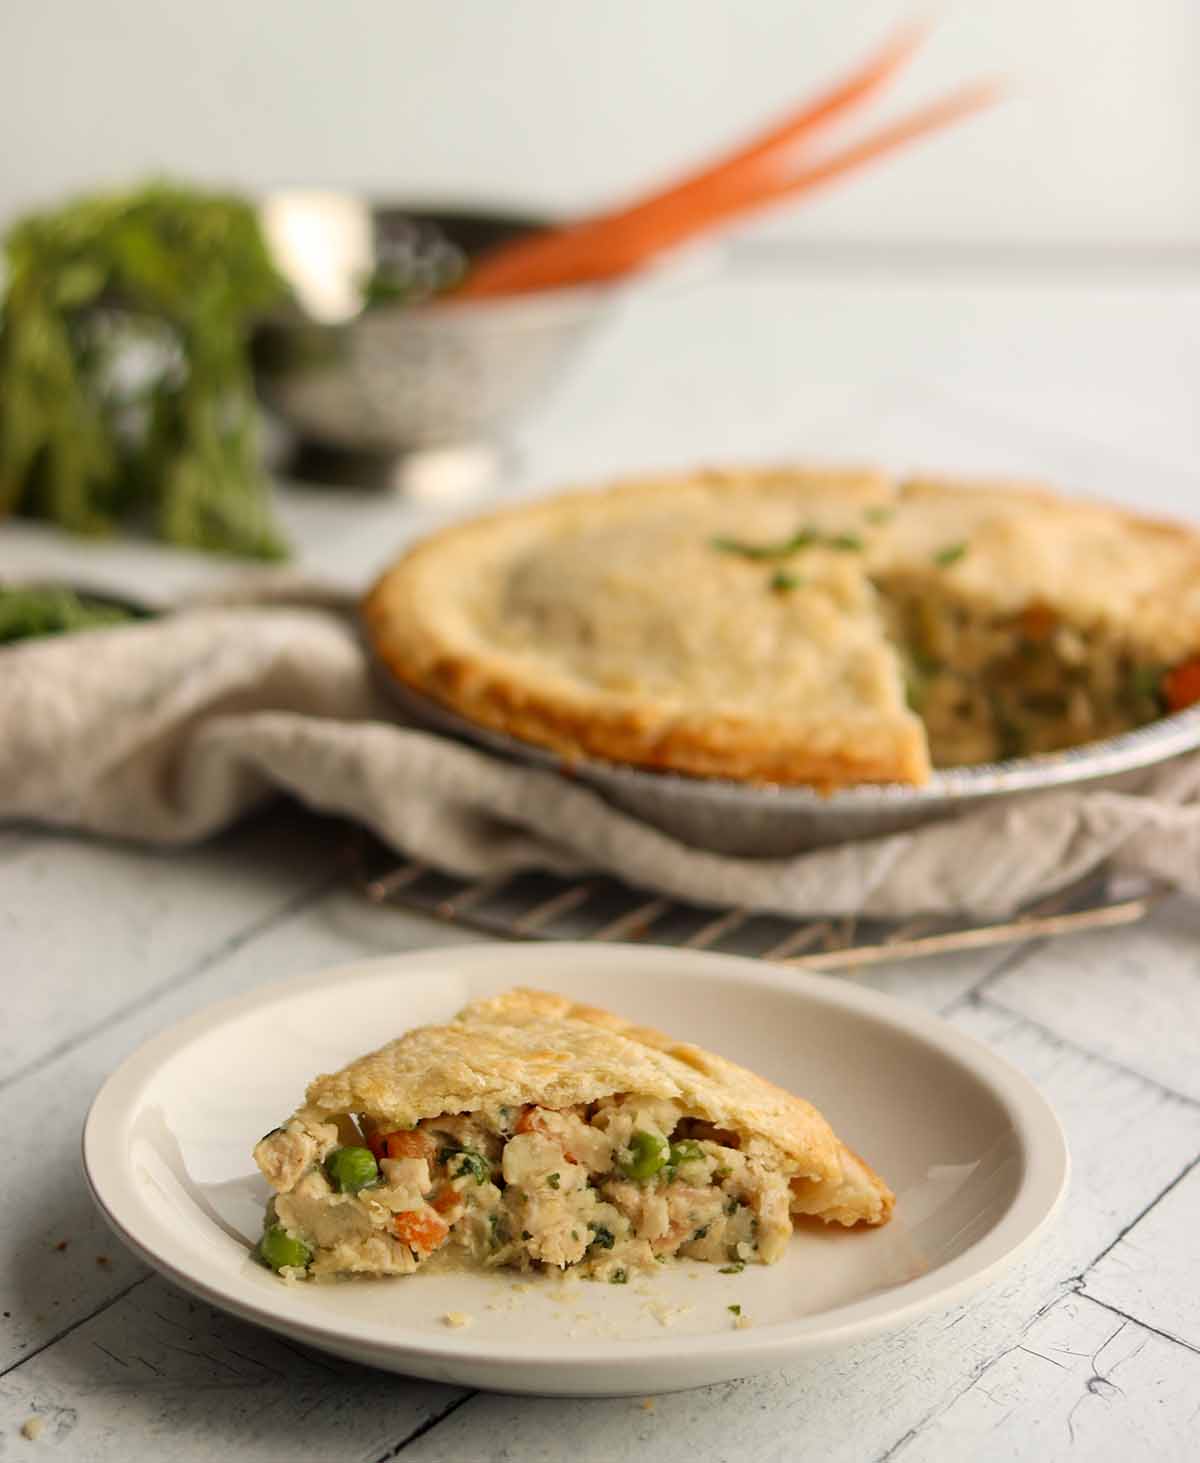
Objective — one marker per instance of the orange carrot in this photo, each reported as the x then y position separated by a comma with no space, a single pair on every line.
511,266
1181,686
421,1229
600,254
445,1199
409,1143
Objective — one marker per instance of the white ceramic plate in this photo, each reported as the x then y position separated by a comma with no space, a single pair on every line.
976,1156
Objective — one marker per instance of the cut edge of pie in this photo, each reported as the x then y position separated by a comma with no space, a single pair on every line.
1054,622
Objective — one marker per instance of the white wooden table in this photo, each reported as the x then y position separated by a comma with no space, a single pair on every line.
1090,1350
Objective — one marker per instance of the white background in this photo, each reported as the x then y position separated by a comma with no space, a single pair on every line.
571,104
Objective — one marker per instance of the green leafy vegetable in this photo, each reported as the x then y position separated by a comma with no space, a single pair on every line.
125,386
951,554
602,1237
737,1310
25,613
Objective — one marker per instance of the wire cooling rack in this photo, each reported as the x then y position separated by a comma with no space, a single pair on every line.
542,907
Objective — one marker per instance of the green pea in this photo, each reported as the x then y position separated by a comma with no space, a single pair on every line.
646,1154
351,1169
277,1248
687,1150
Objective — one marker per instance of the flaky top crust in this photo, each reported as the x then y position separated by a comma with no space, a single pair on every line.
528,1046
605,624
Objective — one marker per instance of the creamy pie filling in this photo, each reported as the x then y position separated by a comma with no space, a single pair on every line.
607,1188
993,686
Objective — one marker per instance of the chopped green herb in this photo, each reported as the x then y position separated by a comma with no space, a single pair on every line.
700,1233
1146,692
731,1206
602,1237
574,1234
525,1234
618,1277
847,542
781,582
735,1269
784,549
460,1161
879,515
951,554
737,1310
553,1181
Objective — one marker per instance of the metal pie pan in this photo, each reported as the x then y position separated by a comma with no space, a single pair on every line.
771,820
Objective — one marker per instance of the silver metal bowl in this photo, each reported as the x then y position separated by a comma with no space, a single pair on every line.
766,820
356,369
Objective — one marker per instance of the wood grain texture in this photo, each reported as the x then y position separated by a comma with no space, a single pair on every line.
1079,1381
189,1383
1134,999
80,950
1151,1271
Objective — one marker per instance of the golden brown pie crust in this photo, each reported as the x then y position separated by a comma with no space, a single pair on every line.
548,621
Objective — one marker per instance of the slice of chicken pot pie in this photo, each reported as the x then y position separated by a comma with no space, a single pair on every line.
531,1132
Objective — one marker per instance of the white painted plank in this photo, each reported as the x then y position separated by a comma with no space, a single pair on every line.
939,982
90,927
1081,1383
1134,999
856,1404
164,1377
45,1289
1151,1272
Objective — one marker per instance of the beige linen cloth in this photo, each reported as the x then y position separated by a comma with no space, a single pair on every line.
166,731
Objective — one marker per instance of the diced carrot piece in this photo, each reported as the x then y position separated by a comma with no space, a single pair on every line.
531,1121
1038,622
445,1199
409,1143
421,1229
1181,686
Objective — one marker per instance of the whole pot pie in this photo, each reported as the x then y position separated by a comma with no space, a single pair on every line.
534,1133
819,627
